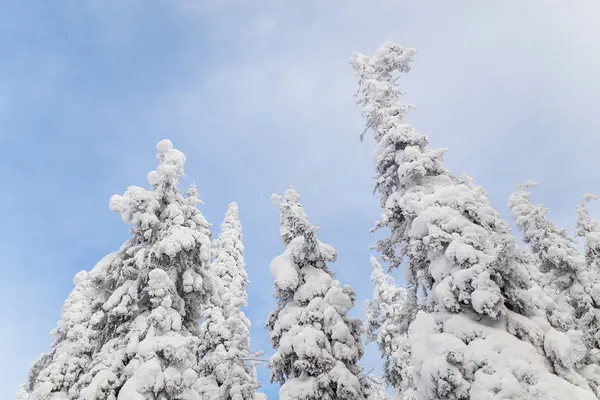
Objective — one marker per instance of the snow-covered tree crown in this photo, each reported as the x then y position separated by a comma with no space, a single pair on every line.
459,251
129,328
553,245
317,345
228,264
293,218
225,331
170,226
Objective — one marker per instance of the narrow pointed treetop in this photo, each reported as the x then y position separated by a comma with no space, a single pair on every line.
445,225
229,262
132,334
225,332
473,336
585,223
317,345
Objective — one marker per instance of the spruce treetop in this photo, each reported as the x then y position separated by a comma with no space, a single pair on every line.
225,331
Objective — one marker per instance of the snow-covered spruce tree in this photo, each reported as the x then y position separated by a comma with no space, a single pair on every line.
387,318
225,332
476,334
146,303
588,228
317,345
571,290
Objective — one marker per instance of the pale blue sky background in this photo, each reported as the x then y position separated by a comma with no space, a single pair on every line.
259,95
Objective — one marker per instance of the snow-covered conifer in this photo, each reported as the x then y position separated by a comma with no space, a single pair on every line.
473,336
229,264
317,345
571,289
431,214
388,316
588,228
225,332
142,304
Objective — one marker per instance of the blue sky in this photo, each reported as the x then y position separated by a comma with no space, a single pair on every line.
259,95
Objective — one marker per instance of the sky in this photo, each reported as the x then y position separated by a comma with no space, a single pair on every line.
259,96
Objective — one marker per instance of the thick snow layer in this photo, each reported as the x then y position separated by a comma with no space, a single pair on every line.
456,355
299,388
285,272
164,145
